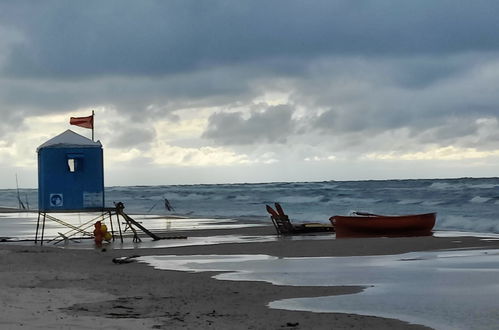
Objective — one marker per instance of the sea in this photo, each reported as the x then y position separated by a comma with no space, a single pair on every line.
464,204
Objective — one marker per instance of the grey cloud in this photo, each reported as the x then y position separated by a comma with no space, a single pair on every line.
371,119
132,136
336,122
273,125
142,98
423,126
76,39
357,69
448,131
424,71
365,94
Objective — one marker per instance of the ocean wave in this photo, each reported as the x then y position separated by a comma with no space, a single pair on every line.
409,201
300,199
467,223
433,203
478,199
465,184
484,186
461,204
444,185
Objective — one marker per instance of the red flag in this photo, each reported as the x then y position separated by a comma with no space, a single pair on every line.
87,122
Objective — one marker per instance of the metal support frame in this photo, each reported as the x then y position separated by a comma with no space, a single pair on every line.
83,229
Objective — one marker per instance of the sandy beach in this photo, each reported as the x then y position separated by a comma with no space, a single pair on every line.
65,288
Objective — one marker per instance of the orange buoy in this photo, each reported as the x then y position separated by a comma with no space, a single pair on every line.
98,237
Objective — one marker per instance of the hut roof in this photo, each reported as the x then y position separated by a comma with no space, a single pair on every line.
69,139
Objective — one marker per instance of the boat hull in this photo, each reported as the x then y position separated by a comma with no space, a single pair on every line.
391,226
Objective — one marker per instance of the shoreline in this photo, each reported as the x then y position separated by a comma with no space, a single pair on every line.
47,287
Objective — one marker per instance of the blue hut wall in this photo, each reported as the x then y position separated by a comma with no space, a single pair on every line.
70,178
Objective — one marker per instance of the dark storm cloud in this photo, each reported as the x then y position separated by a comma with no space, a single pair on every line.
356,68
273,125
424,122
371,96
95,38
448,133
137,95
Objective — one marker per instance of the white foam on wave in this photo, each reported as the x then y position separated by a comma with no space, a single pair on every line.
462,185
432,203
354,201
445,185
484,186
242,198
466,223
478,199
300,199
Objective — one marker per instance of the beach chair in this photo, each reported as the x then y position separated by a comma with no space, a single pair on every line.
284,226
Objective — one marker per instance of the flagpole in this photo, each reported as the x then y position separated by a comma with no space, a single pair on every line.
93,121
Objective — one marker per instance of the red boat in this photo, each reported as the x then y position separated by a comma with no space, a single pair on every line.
367,225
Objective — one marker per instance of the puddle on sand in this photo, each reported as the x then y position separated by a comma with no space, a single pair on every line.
22,226
452,233
189,241
147,243
202,263
443,290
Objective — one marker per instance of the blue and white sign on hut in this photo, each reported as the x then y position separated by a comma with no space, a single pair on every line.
70,174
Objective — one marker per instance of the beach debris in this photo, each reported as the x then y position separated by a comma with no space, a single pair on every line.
125,260
81,229
6,239
21,204
101,233
120,210
67,239
125,315
292,324
284,226
168,206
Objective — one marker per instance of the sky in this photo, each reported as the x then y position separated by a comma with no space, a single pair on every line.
223,91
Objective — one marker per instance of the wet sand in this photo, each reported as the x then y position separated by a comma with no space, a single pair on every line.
47,287
4,209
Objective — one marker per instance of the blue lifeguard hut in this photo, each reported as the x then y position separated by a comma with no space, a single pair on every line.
71,179
70,174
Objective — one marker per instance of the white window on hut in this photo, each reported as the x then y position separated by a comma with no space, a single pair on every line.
75,162
72,164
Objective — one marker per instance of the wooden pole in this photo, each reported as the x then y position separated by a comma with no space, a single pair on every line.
43,228
37,227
